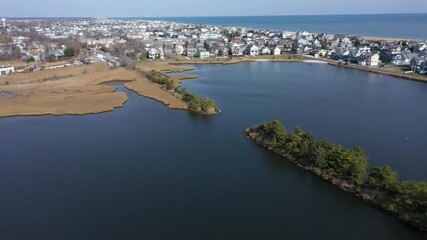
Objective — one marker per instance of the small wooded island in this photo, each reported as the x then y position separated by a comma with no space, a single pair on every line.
347,169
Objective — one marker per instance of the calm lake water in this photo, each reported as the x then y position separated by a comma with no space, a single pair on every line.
146,172
378,25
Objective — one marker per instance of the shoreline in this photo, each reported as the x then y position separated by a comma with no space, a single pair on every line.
85,90
307,59
374,197
77,91
404,76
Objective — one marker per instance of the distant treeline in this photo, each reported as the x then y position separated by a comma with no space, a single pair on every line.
194,103
348,169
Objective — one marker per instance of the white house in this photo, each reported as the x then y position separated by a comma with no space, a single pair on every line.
323,53
254,51
179,50
346,41
373,60
277,51
205,36
316,42
6,70
191,52
204,54
307,49
162,54
153,53
362,50
266,51
302,41
286,34
236,50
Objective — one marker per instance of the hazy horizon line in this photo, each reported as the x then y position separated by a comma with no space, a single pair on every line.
213,16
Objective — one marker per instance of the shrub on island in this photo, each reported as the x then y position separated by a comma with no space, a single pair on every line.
195,104
348,169
161,79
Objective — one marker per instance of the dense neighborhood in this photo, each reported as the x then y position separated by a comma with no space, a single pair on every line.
52,43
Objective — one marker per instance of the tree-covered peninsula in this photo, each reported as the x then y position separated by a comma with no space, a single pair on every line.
347,169
195,104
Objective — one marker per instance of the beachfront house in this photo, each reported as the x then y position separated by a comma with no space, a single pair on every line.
6,70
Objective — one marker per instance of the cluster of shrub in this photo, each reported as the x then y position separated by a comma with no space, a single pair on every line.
404,198
195,104
161,79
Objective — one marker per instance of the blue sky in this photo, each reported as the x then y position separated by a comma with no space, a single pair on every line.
176,8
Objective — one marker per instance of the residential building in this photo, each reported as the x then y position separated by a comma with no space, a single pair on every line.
373,60
204,54
153,53
6,70
277,51
254,51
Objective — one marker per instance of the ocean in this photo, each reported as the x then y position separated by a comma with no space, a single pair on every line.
407,26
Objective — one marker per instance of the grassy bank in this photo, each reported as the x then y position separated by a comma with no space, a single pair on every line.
76,91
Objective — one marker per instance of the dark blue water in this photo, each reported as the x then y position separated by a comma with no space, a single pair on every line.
382,114
146,172
378,25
